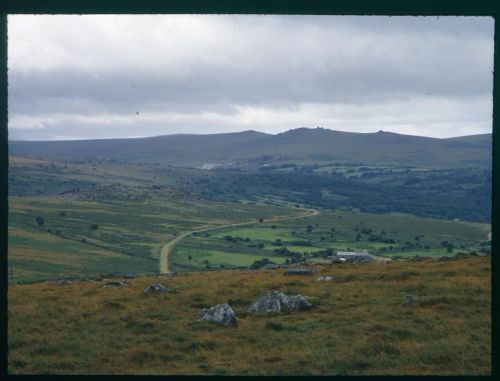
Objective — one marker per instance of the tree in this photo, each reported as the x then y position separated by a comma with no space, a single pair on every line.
62,213
190,257
40,221
94,227
260,263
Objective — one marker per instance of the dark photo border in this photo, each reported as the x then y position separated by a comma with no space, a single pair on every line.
305,7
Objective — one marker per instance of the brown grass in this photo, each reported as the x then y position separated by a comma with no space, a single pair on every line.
357,324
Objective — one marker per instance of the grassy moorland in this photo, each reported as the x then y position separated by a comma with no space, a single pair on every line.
357,325
102,237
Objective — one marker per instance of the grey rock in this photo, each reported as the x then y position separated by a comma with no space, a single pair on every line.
221,313
324,278
299,271
64,281
271,266
298,302
157,287
410,300
275,301
269,303
115,284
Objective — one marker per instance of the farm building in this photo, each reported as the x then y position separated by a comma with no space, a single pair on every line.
354,256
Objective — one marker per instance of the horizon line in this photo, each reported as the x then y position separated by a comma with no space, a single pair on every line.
243,131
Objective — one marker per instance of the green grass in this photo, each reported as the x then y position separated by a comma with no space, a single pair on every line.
256,233
224,258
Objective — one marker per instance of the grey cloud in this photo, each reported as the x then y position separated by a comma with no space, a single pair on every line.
352,61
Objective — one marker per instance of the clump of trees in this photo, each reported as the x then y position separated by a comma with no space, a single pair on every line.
260,263
448,245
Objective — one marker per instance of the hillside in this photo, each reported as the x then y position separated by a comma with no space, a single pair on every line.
357,324
301,145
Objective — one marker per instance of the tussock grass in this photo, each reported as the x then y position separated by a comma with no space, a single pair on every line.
357,325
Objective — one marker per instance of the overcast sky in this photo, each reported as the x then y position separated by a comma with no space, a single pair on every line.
105,76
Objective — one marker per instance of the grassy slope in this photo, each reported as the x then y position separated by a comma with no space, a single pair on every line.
357,325
128,239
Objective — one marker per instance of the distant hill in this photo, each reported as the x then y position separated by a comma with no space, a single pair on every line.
302,145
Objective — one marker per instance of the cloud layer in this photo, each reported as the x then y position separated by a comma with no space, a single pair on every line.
102,76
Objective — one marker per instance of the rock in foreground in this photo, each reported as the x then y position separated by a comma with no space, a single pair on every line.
115,284
221,313
157,287
275,301
410,300
299,271
324,278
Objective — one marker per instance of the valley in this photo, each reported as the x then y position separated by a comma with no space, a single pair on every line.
74,214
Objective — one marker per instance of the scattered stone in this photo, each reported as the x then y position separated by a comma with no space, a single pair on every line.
299,271
64,281
157,287
115,284
410,300
324,278
445,258
221,313
129,276
275,301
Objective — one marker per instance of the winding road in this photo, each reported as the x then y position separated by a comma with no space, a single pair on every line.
167,249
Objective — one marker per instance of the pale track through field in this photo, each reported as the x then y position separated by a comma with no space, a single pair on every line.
166,250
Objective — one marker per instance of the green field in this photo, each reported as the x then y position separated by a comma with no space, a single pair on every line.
337,230
256,233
